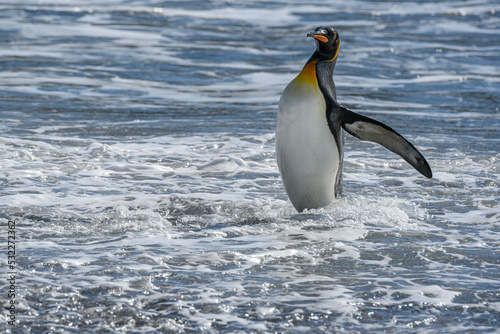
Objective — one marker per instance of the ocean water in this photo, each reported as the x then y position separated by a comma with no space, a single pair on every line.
137,159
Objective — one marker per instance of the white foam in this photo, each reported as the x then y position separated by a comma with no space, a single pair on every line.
194,232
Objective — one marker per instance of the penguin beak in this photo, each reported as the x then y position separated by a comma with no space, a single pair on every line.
320,38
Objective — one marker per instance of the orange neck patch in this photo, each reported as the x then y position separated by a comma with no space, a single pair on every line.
308,73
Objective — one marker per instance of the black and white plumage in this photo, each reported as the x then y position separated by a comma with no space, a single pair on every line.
309,138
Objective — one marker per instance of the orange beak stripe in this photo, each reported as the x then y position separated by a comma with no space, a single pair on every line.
321,38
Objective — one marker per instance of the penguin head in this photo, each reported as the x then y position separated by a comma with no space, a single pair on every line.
327,42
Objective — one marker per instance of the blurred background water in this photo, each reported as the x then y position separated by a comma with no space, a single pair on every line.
137,158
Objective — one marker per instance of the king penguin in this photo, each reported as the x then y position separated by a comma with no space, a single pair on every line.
309,136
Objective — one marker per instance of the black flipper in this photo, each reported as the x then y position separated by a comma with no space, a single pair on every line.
369,129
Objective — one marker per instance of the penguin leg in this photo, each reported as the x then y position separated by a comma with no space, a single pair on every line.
368,129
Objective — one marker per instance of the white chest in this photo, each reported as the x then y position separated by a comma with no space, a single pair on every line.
307,153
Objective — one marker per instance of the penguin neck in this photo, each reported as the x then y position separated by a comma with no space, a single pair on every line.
318,72
324,57
324,68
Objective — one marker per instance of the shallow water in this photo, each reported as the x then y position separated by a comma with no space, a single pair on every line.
137,158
